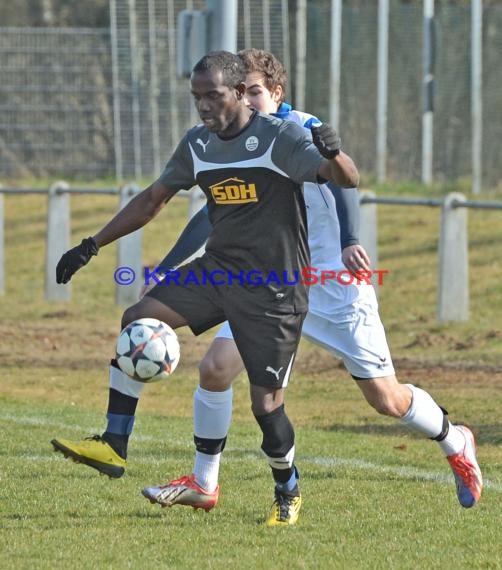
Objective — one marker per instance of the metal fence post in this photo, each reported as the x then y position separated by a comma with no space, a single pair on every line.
453,301
335,58
223,24
57,240
301,54
368,231
382,89
129,274
428,57
2,247
477,93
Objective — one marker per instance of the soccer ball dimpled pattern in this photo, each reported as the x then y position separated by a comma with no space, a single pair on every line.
148,350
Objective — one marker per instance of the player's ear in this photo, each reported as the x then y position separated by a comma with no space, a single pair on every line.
240,90
277,94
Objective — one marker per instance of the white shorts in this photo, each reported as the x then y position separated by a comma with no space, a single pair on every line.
356,335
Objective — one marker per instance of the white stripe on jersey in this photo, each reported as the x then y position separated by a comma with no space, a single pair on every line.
263,161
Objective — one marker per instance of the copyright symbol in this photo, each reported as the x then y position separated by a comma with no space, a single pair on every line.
124,275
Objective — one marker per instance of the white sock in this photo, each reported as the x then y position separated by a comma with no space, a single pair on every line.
426,416
212,414
454,442
206,470
124,384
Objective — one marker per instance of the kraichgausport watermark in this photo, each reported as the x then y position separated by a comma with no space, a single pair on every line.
124,275
308,276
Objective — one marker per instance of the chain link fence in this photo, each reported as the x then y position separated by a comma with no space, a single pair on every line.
87,103
452,110
55,102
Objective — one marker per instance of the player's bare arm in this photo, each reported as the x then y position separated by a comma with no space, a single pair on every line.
138,212
135,215
341,170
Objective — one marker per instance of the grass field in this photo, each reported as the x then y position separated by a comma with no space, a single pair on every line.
375,495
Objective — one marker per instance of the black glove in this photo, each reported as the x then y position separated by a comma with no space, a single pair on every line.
75,258
326,140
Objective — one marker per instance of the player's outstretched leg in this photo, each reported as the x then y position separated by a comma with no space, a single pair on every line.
417,409
107,453
457,443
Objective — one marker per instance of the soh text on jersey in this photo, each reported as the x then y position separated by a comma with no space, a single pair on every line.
233,191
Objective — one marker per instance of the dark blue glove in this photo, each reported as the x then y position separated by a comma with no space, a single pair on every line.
75,258
326,140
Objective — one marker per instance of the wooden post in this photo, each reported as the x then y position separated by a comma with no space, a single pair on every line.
368,232
57,240
129,273
453,295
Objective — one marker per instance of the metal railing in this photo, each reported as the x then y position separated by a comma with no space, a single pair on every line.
453,265
453,246
58,238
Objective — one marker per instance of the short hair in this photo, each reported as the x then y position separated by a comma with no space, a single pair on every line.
230,65
265,62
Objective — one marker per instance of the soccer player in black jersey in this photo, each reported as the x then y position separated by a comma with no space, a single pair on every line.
251,168
343,319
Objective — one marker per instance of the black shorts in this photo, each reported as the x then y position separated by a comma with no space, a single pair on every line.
266,328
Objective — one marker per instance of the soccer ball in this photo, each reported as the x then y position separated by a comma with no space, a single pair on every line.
148,350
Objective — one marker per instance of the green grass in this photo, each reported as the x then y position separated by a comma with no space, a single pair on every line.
375,495
379,499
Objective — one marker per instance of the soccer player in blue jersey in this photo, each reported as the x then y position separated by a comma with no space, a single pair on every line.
251,167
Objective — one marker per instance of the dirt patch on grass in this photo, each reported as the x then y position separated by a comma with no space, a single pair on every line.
77,346
449,342
74,346
47,345
314,361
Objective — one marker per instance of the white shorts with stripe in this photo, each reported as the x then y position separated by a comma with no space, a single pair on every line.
355,334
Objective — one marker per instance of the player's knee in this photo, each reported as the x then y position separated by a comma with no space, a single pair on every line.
214,373
265,400
394,405
261,408
220,366
386,395
131,314
386,408
278,437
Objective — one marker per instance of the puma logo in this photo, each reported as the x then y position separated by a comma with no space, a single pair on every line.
202,144
274,372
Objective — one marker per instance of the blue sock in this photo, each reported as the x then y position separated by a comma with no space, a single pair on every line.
119,424
289,485
117,433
